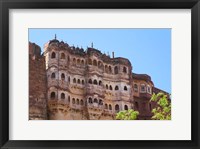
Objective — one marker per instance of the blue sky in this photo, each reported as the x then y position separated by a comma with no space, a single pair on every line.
149,50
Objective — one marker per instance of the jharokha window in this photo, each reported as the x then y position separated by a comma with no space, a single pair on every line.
62,56
143,88
116,107
53,55
135,87
95,63
74,80
106,106
90,81
124,69
95,82
83,82
116,70
53,75
125,88
110,107
125,107
149,89
90,62
63,76
62,96
53,95
79,81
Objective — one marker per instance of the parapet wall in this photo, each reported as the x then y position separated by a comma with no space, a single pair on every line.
37,84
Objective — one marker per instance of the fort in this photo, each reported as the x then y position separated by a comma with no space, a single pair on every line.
70,83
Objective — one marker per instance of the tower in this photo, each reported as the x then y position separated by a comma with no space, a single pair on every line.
37,84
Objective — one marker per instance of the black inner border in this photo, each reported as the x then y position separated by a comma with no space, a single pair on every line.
5,5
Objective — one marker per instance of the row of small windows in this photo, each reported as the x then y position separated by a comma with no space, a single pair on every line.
53,76
107,87
62,96
53,55
106,106
108,69
95,82
116,87
78,81
78,61
142,88
90,101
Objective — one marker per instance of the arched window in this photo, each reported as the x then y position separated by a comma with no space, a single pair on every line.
53,75
125,88
106,86
100,83
94,62
62,96
74,60
74,80
149,89
106,68
110,107
77,101
53,55
78,61
90,81
81,101
110,87
90,100
110,69
63,76
106,106
95,100
95,82
53,95
117,107
125,107
69,99
124,69
100,102
69,79
73,101
135,87
62,56
83,82
79,81
82,62
143,88
116,70
90,62
116,88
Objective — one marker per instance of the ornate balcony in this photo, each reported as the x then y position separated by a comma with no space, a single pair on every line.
145,96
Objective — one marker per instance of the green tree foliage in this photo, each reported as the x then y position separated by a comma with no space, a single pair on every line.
163,110
127,115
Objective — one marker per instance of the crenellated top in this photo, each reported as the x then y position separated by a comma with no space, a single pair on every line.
90,51
34,49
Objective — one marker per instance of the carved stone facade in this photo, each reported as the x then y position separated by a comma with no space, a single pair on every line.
89,85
